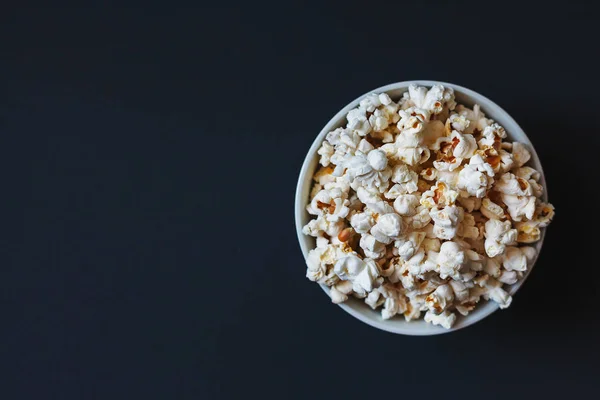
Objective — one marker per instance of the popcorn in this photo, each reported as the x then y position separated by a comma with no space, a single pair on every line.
520,154
498,235
325,151
410,235
457,122
450,260
362,273
446,221
406,204
420,263
471,180
369,170
439,195
372,248
337,297
388,228
320,226
508,277
476,117
440,299
432,100
528,232
512,185
460,290
491,210
362,222
331,204
445,319
519,206
409,245
420,219
514,260
358,122
321,259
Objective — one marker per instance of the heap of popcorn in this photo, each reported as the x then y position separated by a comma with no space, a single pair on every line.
421,208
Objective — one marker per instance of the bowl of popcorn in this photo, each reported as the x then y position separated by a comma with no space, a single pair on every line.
421,208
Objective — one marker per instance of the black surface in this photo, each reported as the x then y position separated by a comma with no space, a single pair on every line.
149,160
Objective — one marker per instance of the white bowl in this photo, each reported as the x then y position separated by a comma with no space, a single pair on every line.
358,308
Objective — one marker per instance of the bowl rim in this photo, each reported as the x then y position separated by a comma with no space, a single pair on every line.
300,206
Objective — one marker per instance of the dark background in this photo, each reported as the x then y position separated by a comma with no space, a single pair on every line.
149,161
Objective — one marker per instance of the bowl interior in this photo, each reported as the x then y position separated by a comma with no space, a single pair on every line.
358,308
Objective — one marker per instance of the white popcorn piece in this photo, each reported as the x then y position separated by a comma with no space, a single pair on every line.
362,273
446,221
495,292
528,232
362,222
378,120
373,201
520,154
445,319
527,173
406,205
374,299
394,303
331,204
464,145
320,259
433,99
420,219
370,102
460,290
508,277
320,226
512,185
519,206
470,204
492,267
514,259
440,299
475,116
498,235
344,287
366,170
491,210
405,177
450,260
421,263
529,252
388,228
491,137
358,122
440,195
409,245
325,151
458,123
344,141
412,122
364,146
337,297
544,213
429,174
372,247
413,309
474,182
